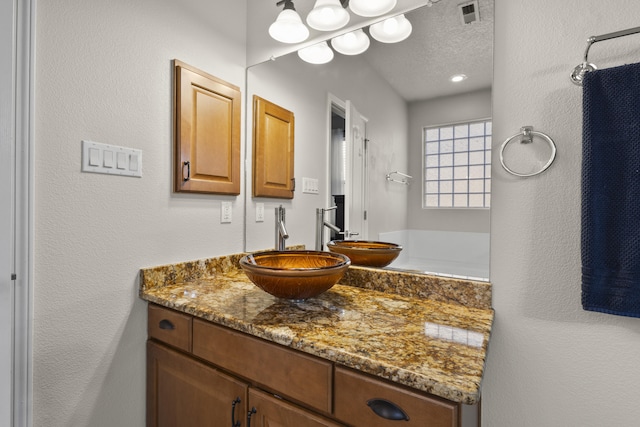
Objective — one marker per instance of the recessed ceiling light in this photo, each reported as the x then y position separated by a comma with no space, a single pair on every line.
458,78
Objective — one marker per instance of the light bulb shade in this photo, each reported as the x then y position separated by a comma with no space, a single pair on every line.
328,15
371,7
392,30
288,28
319,53
352,43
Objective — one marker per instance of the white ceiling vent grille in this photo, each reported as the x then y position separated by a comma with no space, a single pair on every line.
469,12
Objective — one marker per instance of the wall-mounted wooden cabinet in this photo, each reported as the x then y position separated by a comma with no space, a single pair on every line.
273,150
207,133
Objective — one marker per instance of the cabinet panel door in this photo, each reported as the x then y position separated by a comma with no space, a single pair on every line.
273,412
207,133
186,393
273,150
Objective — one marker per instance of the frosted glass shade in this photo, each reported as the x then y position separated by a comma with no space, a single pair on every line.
328,15
371,7
352,43
391,30
288,28
319,53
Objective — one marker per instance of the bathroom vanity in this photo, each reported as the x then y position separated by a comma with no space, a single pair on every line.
369,351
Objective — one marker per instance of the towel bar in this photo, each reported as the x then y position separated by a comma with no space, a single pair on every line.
406,179
527,133
577,75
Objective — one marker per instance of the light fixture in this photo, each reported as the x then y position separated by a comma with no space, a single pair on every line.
392,30
352,43
458,78
319,53
328,15
288,27
371,7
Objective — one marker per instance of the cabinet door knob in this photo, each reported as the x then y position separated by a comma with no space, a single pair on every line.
234,423
166,324
387,410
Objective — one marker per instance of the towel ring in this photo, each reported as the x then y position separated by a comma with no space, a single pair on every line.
527,133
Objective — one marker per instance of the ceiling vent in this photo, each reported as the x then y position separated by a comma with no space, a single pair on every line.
469,12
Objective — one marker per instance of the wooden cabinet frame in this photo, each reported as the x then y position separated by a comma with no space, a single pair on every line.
273,150
207,133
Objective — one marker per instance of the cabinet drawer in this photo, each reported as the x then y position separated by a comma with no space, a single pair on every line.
283,371
170,326
354,392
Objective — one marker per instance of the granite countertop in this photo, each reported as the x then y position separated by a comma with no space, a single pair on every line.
383,326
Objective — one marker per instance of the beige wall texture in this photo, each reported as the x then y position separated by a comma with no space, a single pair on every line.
550,363
104,73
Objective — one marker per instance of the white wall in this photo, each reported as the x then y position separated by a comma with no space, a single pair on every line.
433,112
551,363
104,73
303,88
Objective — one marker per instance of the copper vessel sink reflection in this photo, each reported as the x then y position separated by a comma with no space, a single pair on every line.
295,275
365,252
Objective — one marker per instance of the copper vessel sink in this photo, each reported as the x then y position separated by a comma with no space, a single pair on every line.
295,275
365,252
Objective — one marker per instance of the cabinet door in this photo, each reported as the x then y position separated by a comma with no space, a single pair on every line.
269,411
273,150
207,133
186,393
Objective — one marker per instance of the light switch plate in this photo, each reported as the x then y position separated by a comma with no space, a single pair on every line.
225,213
111,159
310,185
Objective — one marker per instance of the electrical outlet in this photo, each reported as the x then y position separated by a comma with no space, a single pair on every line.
225,213
259,212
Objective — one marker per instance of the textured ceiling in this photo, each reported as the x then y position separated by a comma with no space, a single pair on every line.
439,47
419,67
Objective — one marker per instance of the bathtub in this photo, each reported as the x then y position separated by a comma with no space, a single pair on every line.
449,253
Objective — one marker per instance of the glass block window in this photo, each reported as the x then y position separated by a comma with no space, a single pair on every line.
457,165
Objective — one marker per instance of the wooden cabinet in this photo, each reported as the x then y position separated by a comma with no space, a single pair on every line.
273,150
207,133
212,375
184,392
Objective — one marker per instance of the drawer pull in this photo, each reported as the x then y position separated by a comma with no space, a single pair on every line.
234,423
249,414
166,324
387,410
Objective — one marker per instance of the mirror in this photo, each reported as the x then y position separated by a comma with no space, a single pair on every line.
396,105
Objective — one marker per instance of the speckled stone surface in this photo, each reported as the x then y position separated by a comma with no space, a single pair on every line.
430,345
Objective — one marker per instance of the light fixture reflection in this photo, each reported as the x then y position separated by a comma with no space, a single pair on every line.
352,43
319,53
328,15
392,30
371,7
288,27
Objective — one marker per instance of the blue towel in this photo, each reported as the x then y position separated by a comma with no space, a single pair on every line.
611,191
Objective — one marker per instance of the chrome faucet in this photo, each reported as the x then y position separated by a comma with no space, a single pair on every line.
281,230
320,224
